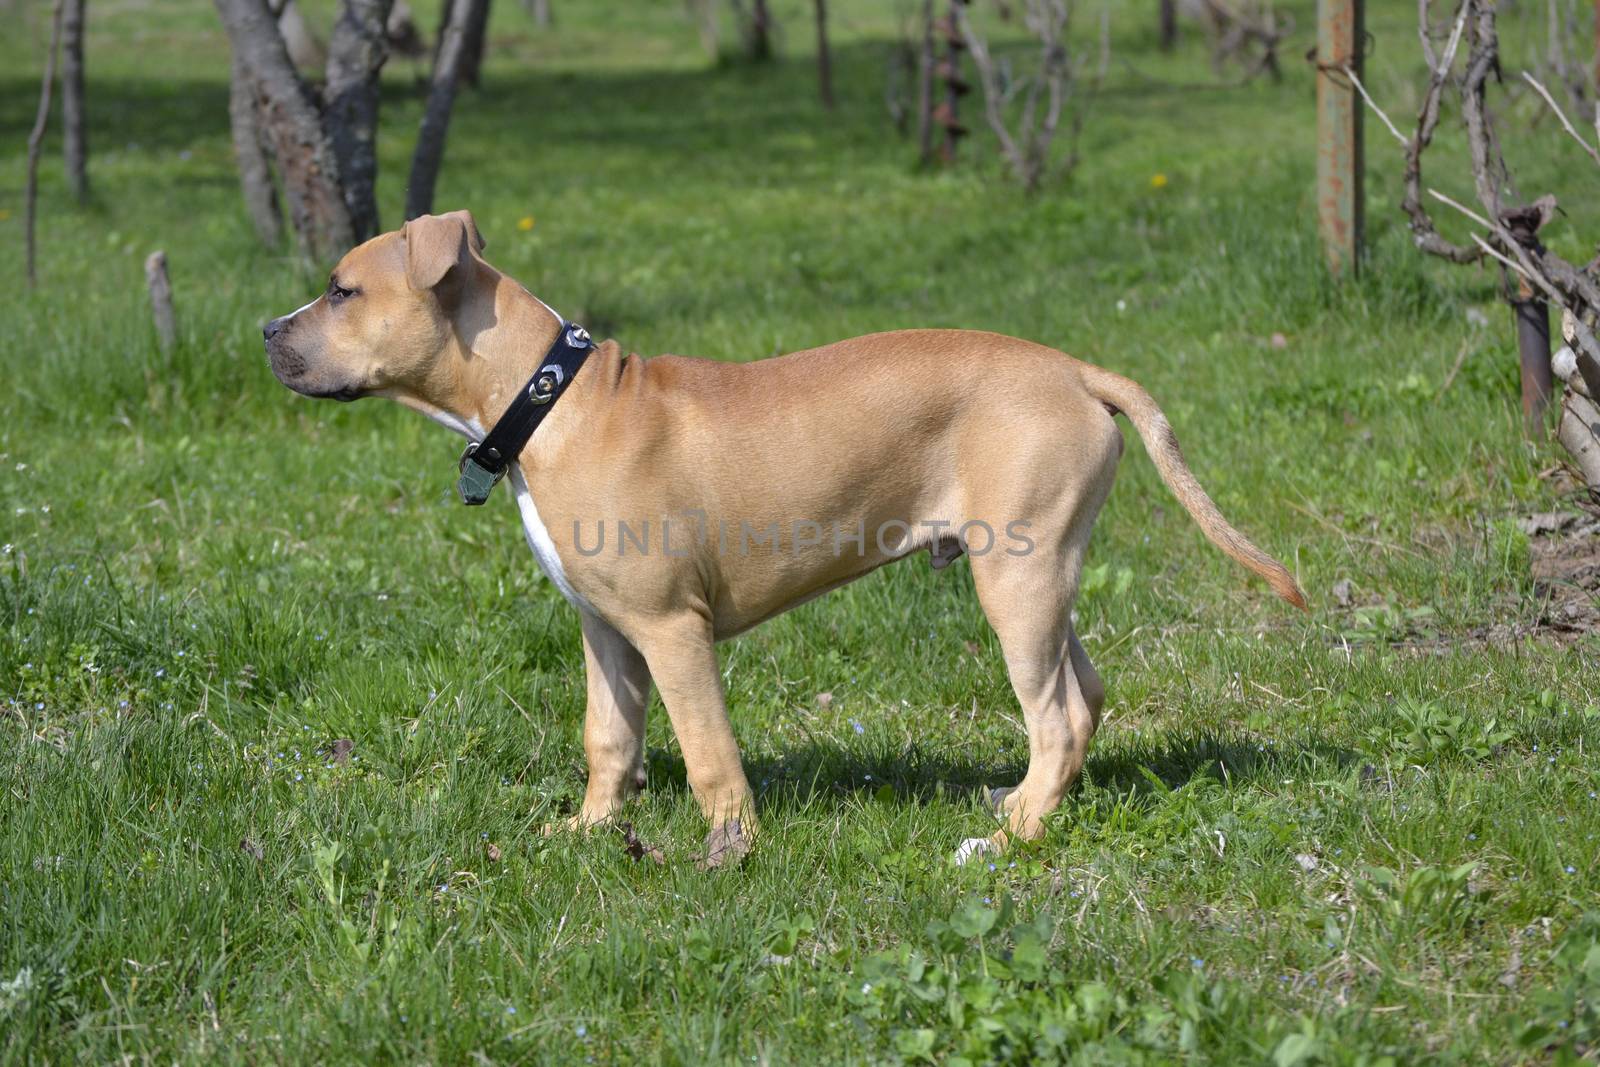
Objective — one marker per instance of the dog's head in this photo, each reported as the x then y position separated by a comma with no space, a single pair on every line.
386,318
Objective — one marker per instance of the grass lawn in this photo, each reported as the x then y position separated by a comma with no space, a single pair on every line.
1361,836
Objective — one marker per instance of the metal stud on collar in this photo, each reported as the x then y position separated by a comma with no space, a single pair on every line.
484,463
545,384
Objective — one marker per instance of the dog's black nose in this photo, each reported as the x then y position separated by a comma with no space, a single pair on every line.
274,328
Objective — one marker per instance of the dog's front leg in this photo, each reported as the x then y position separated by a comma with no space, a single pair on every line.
682,656
613,723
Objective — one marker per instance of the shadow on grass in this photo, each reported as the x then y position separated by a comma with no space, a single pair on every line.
818,772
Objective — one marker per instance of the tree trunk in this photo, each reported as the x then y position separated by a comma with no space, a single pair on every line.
305,51
356,53
30,195
306,160
75,147
476,37
255,168
925,60
472,47
542,16
1169,24
441,98
824,57
705,23
755,29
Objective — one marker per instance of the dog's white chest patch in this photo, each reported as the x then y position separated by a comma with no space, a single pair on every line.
544,549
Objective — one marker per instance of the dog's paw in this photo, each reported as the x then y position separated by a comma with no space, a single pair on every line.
726,846
978,847
996,798
572,824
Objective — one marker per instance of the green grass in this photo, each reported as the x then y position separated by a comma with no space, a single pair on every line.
1367,833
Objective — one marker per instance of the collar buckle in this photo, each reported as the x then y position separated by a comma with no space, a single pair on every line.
477,480
485,462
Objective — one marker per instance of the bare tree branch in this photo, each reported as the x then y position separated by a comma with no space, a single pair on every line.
1027,150
1542,91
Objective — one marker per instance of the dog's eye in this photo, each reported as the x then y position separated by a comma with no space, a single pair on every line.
338,294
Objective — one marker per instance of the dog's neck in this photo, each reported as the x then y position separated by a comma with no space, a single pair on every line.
499,333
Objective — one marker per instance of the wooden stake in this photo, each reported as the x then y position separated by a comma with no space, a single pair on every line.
155,278
1340,199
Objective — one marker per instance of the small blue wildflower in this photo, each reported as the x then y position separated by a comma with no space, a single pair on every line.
857,727
1572,870
582,1030
1197,961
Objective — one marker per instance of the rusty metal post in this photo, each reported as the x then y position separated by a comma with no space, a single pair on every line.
1533,346
1341,207
1532,315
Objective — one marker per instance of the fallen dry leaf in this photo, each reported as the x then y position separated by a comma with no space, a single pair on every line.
637,848
341,750
494,852
726,846
252,848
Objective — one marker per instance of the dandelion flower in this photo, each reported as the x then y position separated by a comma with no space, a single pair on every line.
525,223
1158,181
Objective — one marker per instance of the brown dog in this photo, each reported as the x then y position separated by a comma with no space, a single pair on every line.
676,502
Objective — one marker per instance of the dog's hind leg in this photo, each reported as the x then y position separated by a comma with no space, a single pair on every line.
1060,694
613,722
1028,599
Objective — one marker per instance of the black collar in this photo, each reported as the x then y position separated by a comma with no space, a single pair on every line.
484,463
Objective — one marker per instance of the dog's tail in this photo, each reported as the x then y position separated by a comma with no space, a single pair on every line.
1129,397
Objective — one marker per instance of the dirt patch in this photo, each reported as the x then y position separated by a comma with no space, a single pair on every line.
1564,555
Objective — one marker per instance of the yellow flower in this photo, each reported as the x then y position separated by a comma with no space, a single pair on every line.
1158,181
525,223
4,214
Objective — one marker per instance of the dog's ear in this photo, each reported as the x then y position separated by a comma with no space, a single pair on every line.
437,244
